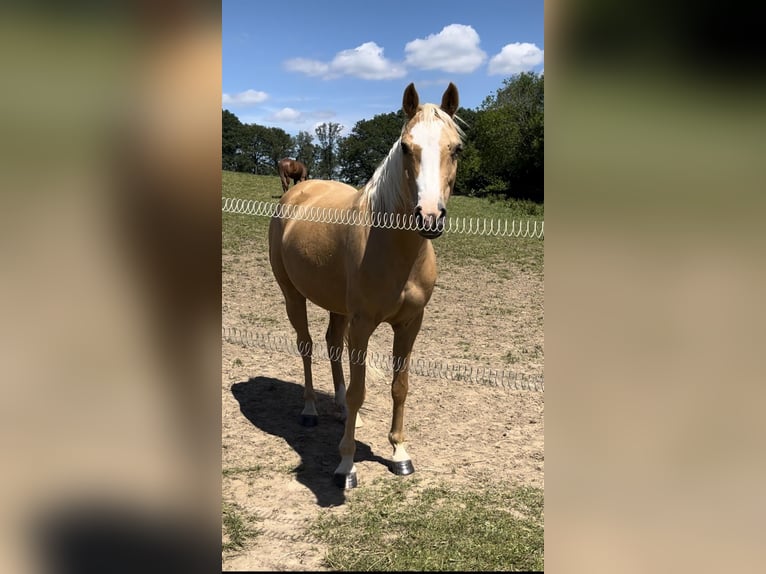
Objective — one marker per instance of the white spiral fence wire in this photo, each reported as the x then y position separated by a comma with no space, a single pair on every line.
436,369
465,225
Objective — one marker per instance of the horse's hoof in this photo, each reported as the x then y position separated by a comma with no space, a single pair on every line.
345,481
402,468
309,420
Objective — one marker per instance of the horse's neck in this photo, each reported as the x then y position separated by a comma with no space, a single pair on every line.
384,193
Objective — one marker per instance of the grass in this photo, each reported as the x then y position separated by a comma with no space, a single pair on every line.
458,248
242,232
237,527
249,233
396,526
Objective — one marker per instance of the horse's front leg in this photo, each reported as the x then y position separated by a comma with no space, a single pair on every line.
359,333
404,338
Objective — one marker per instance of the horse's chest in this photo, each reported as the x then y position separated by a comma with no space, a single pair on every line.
417,293
406,299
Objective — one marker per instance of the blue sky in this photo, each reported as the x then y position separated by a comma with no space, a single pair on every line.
297,64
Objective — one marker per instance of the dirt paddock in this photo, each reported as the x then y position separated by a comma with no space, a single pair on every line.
460,434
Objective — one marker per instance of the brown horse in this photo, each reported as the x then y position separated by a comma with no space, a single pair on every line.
291,169
366,275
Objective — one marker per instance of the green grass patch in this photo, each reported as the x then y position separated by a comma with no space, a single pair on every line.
392,525
238,528
457,248
245,232
250,233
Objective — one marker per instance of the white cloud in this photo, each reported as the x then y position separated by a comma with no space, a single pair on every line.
454,49
246,98
515,58
286,115
365,61
308,67
287,118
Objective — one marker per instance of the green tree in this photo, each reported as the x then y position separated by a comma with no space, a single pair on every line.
263,147
509,137
329,137
305,150
277,144
231,140
471,179
255,149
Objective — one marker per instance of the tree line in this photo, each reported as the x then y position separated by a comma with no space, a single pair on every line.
503,152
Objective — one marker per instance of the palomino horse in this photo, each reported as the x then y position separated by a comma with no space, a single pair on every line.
291,169
365,275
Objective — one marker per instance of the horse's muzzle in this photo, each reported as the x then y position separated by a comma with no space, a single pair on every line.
430,225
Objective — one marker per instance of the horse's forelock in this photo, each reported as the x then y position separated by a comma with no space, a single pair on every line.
430,113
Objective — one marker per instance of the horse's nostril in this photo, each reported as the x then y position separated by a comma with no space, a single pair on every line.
431,223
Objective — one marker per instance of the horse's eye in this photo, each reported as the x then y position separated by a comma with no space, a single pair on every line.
406,149
456,150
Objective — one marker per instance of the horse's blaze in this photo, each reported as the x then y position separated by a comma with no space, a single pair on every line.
430,148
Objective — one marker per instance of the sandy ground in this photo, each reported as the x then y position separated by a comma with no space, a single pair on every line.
279,473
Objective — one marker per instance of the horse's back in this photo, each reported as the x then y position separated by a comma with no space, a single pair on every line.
323,194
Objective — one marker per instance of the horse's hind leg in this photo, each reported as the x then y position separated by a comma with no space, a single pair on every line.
336,331
404,338
296,311
334,337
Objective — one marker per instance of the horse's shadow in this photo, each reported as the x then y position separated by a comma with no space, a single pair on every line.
274,406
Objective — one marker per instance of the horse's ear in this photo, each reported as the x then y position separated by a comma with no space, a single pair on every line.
410,101
450,99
